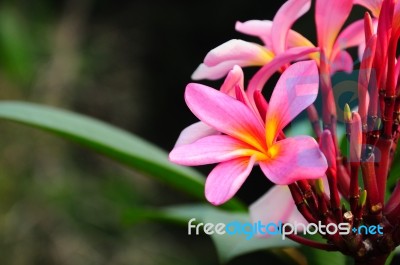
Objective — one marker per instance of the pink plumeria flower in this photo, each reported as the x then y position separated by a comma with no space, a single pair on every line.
278,38
245,139
266,210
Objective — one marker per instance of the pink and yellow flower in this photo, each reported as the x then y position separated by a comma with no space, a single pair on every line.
278,38
246,137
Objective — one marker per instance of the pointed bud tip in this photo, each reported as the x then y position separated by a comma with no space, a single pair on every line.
363,198
347,113
378,124
319,187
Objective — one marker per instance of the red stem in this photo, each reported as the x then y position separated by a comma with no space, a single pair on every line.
300,204
354,188
370,184
335,199
382,167
390,96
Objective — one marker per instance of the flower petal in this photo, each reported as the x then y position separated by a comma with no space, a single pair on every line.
295,39
225,114
262,30
287,164
366,77
226,179
296,89
234,78
261,77
267,210
342,62
283,21
352,35
209,150
256,28
214,72
194,132
238,50
328,148
329,19
355,138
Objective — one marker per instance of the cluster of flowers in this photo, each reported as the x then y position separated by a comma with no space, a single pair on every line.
239,128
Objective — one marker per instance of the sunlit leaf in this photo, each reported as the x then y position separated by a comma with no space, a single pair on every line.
110,141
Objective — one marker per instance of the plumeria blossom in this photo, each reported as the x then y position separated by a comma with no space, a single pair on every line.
278,38
247,138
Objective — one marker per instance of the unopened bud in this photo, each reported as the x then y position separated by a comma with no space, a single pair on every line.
355,138
319,187
328,148
347,113
378,124
362,199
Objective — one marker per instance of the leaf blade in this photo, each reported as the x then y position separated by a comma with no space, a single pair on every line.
109,141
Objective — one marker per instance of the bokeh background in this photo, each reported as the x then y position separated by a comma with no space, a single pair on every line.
126,63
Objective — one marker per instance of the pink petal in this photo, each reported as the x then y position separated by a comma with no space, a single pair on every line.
233,86
267,210
342,62
194,132
364,77
261,77
297,88
226,179
238,50
262,30
293,159
373,5
355,138
214,72
283,21
225,114
234,77
256,28
209,150
328,148
329,19
360,51
295,39
297,217
352,35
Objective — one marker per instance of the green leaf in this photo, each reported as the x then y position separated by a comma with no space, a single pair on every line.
322,257
394,171
111,142
228,246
